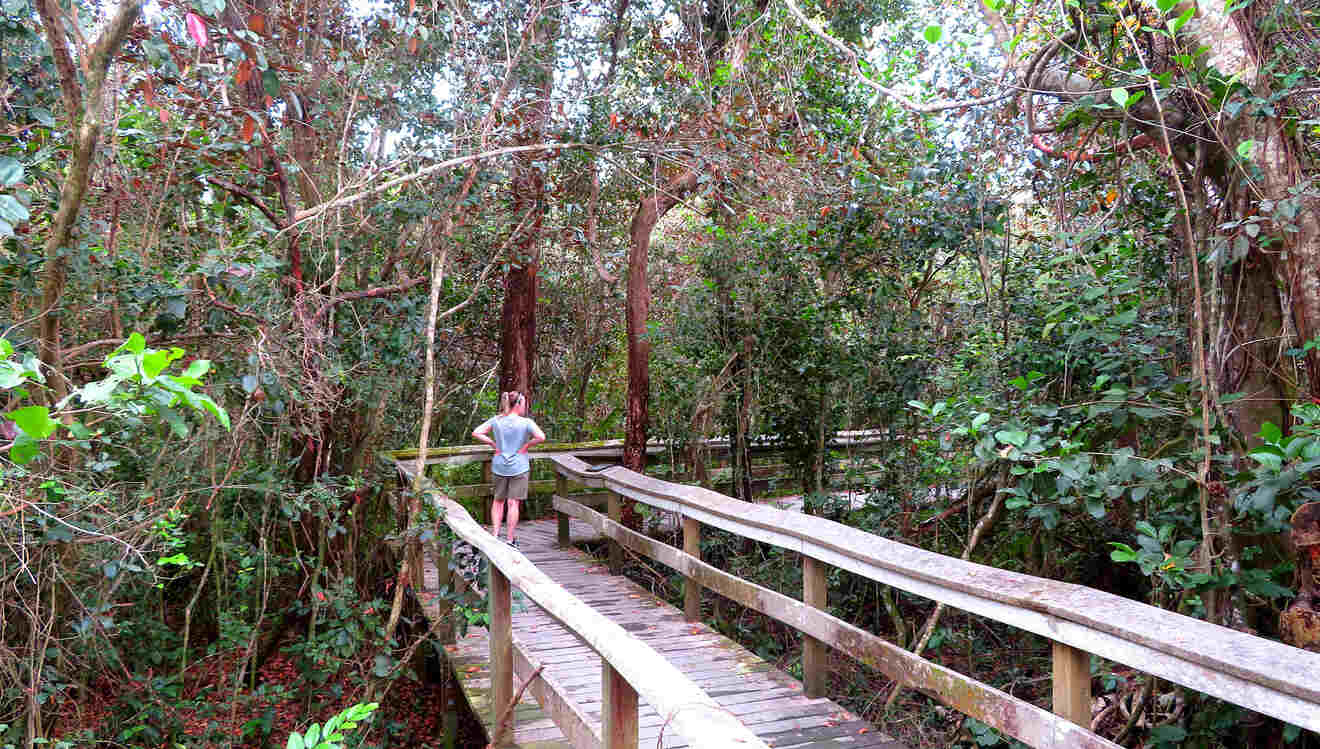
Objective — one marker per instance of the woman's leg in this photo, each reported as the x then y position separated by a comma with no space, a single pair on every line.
513,517
518,486
497,516
499,491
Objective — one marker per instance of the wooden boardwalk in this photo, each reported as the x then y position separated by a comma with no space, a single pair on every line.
765,699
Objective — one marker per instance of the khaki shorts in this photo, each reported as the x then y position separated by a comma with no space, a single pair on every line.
511,487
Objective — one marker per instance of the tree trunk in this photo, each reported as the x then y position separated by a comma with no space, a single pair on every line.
518,317
85,123
649,212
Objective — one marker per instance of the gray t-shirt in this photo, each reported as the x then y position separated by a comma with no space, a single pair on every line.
510,434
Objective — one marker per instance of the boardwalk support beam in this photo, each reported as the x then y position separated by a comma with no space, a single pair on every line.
814,654
616,551
1072,684
501,642
618,709
561,490
691,588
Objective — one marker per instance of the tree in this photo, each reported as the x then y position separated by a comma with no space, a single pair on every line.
85,108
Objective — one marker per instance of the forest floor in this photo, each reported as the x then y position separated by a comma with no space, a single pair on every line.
208,713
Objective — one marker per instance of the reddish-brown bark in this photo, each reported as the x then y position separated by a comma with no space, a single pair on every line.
518,317
649,212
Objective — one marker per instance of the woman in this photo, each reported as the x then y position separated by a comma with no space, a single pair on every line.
514,434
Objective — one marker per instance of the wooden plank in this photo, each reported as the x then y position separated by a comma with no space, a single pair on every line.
815,661
691,588
1015,717
1072,684
470,660
501,642
618,709
551,694
692,712
1253,672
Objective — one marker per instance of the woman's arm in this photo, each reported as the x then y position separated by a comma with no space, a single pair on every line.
537,438
482,434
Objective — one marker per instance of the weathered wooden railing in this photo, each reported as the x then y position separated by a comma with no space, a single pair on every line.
629,667
603,450
1252,672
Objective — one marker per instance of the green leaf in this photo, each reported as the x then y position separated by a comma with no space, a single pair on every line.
35,421
295,741
1176,24
12,211
1245,147
154,363
11,172
24,449
135,344
980,420
1270,433
271,82
313,735
1168,733
1015,437
216,411
1165,5
934,33
1122,552
1119,95
198,368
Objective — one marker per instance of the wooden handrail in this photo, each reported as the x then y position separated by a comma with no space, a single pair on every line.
463,454
630,665
1259,674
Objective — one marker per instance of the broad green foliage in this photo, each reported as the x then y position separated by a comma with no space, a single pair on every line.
331,735
138,389
1280,479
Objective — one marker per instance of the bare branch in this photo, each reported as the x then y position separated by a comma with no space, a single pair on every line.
59,48
343,200
249,197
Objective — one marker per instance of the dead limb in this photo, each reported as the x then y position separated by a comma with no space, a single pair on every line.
982,525
506,716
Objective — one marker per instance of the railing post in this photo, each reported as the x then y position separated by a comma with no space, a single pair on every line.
814,654
616,551
691,588
487,478
501,643
618,713
1072,684
561,489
